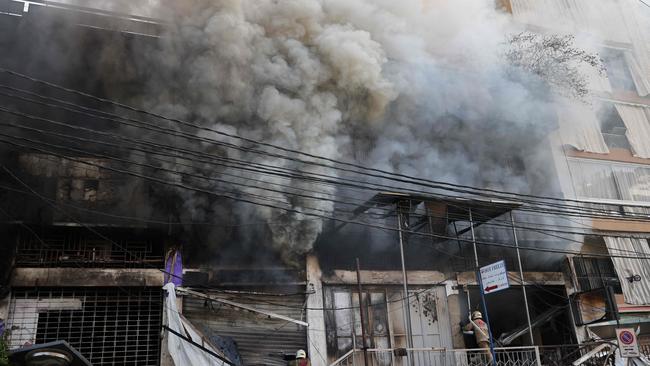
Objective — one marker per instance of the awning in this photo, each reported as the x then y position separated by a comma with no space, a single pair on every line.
624,252
623,321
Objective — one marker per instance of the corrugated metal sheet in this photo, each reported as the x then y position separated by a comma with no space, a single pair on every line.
638,128
580,128
260,340
637,292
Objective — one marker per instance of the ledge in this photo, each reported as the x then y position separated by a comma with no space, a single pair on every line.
341,277
536,278
86,277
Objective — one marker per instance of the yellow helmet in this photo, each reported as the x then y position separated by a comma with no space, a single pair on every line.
301,354
477,315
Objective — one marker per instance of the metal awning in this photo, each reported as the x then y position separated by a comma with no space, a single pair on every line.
458,208
622,321
459,205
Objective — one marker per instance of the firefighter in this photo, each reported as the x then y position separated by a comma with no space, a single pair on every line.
301,359
481,333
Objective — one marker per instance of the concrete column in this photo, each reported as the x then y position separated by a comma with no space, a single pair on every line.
456,314
4,308
316,340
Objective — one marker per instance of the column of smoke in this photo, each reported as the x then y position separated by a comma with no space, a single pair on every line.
411,87
416,87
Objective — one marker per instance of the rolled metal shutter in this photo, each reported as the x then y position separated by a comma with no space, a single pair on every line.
260,340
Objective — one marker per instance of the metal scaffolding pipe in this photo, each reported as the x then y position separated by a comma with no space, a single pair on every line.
480,285
521,277
405,302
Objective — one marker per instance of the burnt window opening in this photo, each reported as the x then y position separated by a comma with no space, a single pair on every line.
384,319
65,247
90,190
595,273
348,324
86,191
613,128
107,326
618,70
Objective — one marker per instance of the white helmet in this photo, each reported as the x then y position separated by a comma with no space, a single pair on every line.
301,354
477,315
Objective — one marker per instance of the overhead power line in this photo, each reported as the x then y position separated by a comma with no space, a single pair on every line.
384,174
302,175
282,192
312,214
106,157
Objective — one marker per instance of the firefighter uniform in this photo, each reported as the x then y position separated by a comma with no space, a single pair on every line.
481,333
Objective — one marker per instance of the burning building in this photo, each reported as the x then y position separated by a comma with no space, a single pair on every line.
250,153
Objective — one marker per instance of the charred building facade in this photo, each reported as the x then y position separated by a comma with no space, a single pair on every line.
148,219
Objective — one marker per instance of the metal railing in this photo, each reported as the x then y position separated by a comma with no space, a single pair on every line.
508,356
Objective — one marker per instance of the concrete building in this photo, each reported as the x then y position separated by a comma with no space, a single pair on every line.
602,158
85,260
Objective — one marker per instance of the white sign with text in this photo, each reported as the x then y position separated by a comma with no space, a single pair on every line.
494,277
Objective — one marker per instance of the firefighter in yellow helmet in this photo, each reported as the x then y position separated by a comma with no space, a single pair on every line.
481,333
301,359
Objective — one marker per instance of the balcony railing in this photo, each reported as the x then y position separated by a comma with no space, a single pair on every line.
508,356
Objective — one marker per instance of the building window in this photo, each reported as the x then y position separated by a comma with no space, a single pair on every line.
385,321
346,333
609,183
618,70
594,273
62,247
612,127
107,326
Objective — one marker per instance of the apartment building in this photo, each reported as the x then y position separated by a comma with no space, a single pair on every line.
603,159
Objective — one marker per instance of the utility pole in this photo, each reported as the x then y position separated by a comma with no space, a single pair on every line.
362,317
521,276
405,301
480,285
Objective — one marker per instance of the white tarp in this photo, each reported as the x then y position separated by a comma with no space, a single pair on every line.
182,352
638,129
580,128
641,80
636,292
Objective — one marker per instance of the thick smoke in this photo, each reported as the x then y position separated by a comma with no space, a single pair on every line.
417,87
412,87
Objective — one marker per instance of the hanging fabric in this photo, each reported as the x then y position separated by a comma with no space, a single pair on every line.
640,79
580,128
634,292
182,352
638,128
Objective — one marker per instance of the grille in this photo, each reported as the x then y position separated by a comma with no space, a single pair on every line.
73,249
107,326
594,273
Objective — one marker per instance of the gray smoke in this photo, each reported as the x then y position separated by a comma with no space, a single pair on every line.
417,87
410,87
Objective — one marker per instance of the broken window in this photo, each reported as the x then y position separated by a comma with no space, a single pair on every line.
72,248
385,320
345,332
593,273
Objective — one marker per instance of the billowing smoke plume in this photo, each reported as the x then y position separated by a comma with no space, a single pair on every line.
415,87
418,87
